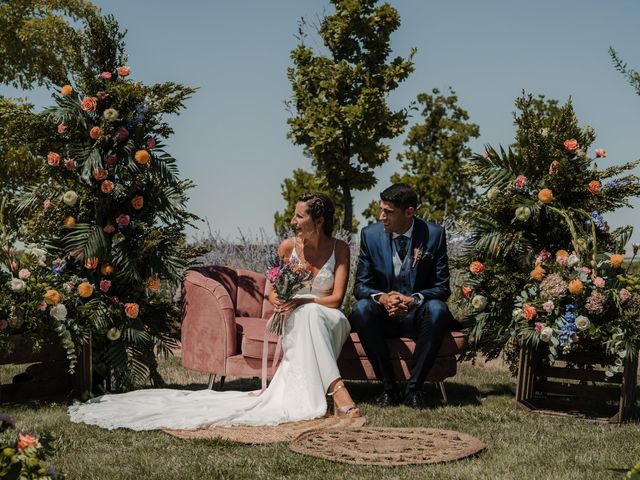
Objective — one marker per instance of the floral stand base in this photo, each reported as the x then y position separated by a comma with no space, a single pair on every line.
49,376
576,385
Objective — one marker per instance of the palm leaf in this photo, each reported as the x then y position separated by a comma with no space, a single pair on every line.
87,238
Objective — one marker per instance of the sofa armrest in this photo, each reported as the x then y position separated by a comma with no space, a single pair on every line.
208,330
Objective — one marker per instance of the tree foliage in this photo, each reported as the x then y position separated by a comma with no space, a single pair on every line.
435,161
339,106
632,76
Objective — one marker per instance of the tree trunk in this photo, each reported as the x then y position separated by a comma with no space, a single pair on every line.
347,203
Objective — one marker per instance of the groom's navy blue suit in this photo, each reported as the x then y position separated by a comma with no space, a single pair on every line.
426,323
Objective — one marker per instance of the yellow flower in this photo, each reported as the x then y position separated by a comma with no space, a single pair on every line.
85,289
52,297
562,253
69,222
142,157
616,260
576,287
545,195
66,90
538,273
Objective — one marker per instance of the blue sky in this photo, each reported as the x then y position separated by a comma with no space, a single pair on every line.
231,139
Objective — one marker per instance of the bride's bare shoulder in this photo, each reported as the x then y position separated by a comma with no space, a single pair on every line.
286,247
342,249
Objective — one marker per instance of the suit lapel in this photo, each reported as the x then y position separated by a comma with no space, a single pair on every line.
419,239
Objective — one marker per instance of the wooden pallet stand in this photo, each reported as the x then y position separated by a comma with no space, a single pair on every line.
51,377
576,385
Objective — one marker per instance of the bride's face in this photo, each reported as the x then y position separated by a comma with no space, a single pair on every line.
303,225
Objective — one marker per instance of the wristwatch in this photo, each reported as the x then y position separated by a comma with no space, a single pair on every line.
416,302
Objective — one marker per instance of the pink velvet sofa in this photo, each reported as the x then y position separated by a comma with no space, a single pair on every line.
224,315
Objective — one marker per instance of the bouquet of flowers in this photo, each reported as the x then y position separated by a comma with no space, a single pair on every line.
25,458
287,277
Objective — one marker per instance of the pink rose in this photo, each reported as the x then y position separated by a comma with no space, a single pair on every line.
548,306
466,291
123,133
69,163
624,295
137,202
273,274
586,270
521,181
542,256
571,145
553,168
539,327
529,312
123,71
89,104
562,260
595,187
601,153
24,273
106,75
151,143
61,128
123,220
111,160
476,267
42,305
53,159
105,285
46,204
13,266
109,229
598,282
101,94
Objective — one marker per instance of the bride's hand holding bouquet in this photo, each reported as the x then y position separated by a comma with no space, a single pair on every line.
287,277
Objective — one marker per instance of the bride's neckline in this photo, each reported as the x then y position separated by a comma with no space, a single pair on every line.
302,259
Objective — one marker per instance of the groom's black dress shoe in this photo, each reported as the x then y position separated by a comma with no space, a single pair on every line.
414,399
389,398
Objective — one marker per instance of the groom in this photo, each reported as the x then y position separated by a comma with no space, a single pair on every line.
402,283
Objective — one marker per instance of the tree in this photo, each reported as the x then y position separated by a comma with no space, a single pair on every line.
435,162
292,188
39,43
633,77
339,110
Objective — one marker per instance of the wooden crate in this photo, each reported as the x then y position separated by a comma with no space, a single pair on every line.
51,374
576,385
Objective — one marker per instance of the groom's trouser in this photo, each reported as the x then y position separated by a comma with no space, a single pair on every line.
426,325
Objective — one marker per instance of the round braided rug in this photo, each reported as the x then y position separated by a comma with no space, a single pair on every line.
387,446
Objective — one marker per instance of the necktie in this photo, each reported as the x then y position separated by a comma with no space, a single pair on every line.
402,244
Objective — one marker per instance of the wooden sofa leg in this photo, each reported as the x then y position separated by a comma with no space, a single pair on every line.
212,380
222,382
440,385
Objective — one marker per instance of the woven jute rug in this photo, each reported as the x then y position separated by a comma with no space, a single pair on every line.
387,446
284,432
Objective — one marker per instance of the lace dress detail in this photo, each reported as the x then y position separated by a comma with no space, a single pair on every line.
311,343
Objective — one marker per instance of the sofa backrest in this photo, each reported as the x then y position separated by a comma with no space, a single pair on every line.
248,290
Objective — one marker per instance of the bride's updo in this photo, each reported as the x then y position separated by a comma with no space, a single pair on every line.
320,205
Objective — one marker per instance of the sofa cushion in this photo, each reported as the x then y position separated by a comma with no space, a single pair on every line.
454,343
251,336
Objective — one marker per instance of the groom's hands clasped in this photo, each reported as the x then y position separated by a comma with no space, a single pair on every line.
396,303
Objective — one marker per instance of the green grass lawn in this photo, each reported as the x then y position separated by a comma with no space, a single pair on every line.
520,445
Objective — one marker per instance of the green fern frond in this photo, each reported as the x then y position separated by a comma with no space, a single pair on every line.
87,238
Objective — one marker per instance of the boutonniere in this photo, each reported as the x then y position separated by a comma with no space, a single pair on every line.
418,254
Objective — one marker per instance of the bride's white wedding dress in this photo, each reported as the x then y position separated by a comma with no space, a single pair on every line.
312,341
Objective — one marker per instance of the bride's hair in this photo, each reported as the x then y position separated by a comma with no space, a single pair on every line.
320,205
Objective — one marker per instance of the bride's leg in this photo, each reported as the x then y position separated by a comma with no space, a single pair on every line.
342,399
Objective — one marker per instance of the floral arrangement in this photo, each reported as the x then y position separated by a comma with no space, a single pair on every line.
113,209
287,277
25,458
542,264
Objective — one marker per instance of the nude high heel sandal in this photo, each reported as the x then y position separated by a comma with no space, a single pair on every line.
349,411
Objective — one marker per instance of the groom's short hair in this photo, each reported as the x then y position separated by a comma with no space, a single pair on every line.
401,195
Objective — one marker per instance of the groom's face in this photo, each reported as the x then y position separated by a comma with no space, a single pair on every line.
395,219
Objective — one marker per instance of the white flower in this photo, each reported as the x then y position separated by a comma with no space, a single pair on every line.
110,114
546,334
59,312
548,306
544,132
523,213
516,314
573,260
113,334
70,198
492,193
479,302
38,253
582,322
17,285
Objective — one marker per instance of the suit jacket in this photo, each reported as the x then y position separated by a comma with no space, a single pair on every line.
429,277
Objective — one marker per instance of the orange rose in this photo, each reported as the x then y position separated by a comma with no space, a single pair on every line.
538,273
562,253
100,174
545,195
123,71
137,202
529,312
91,263
69,222
106,269
85,289
131,310
616,260
154,285
52,297
95,133
142,157
89,104
466,291
66,90
476,267
53,159
595,187
571,145
106,186
576,287
25,441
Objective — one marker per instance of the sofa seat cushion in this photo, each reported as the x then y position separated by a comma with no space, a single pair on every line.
251,336
454,343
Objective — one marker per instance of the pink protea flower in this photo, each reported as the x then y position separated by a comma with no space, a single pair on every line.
538,327
101,95
542,257
69,163
521,181
105,285
151,143
123,220
273,274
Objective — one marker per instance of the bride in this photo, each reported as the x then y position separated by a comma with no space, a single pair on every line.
313,337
